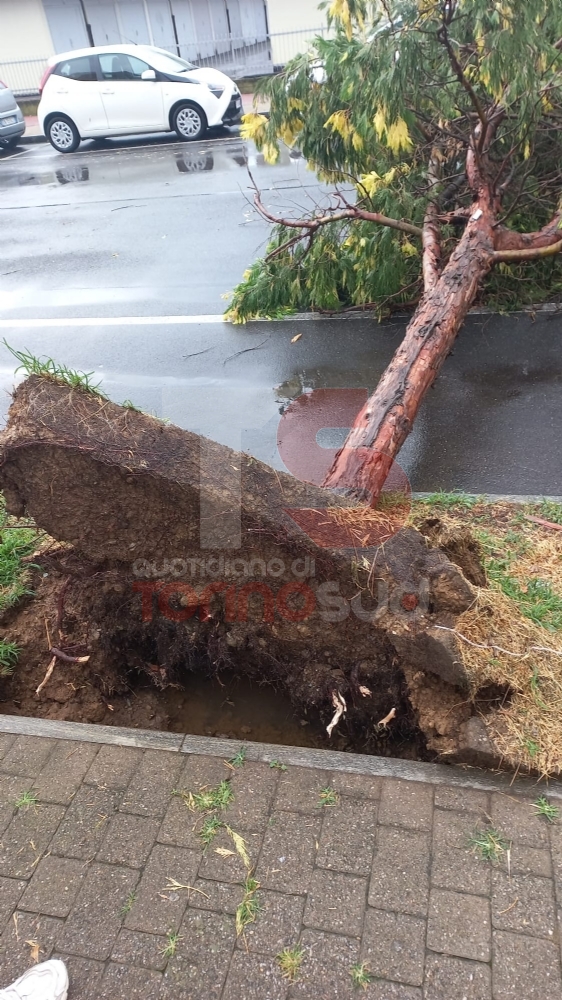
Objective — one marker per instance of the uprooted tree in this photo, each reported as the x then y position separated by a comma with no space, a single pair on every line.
438,122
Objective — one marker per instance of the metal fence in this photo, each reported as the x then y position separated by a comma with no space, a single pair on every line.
238,57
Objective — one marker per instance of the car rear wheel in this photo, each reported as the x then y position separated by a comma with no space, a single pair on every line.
63,134
189,122
10,143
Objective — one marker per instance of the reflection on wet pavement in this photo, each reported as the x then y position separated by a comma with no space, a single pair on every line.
154,163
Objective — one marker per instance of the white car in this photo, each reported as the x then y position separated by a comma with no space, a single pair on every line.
128,89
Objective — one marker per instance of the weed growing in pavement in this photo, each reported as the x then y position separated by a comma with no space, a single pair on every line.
248,909
207,799
490,844
328,797
546,809
128,904
289,961
360,975
47,368
9,653
169,949
209,830
277,764
26,800
239,758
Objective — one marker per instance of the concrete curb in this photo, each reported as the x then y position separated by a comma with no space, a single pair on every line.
31,140
327,760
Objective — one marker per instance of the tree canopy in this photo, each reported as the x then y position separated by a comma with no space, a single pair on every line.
408,109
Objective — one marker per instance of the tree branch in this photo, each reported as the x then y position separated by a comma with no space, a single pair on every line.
536,253
351,212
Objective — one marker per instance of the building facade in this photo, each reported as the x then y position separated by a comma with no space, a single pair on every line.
243,37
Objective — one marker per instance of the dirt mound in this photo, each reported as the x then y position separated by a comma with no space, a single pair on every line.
183,555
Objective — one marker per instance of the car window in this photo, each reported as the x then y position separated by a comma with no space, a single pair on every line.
169,63
119,66
82,69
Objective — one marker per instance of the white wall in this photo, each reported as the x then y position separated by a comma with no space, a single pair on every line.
24,33
287,16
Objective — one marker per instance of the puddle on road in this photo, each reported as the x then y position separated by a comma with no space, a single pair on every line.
152,164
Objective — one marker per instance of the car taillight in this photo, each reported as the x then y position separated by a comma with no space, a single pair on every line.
45,77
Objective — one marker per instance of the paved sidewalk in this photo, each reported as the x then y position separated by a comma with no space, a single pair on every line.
105,867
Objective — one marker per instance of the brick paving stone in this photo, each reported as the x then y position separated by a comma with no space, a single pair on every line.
459,924
64,771
180,826
85,825
150,788
456,979
455,865
556,853
254,977
400,873
288,852
95,919
277,925
254,786
124,982
523,903
199,967
408,804
157,910
230,867
26,838
15,949
355,786
525,968
27,756
528,861
348,837
11,787
326,967
383,989
336,903
393,946
113,767
84,974
136,948
11,890
207,894
299,790
54,886
461,799
6,742
518,821
202,771
129,840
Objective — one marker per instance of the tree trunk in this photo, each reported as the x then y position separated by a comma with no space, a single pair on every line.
385,421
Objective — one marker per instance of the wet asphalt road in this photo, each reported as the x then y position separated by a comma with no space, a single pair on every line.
139,238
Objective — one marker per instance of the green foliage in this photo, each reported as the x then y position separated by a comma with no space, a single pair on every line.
397,84
26,800
239,758
360,975
47,368
328,797
448,501
209,830
546,809
9,652
248,909
490,844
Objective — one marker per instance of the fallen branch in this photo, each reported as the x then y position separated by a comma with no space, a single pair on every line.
545,524
58,653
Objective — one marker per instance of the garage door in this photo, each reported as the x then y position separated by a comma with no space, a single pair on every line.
134,29
161,23
66,24
103,22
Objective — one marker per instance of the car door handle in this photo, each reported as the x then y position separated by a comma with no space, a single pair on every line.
62,91
108,91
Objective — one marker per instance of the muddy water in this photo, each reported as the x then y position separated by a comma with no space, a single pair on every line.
239,710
